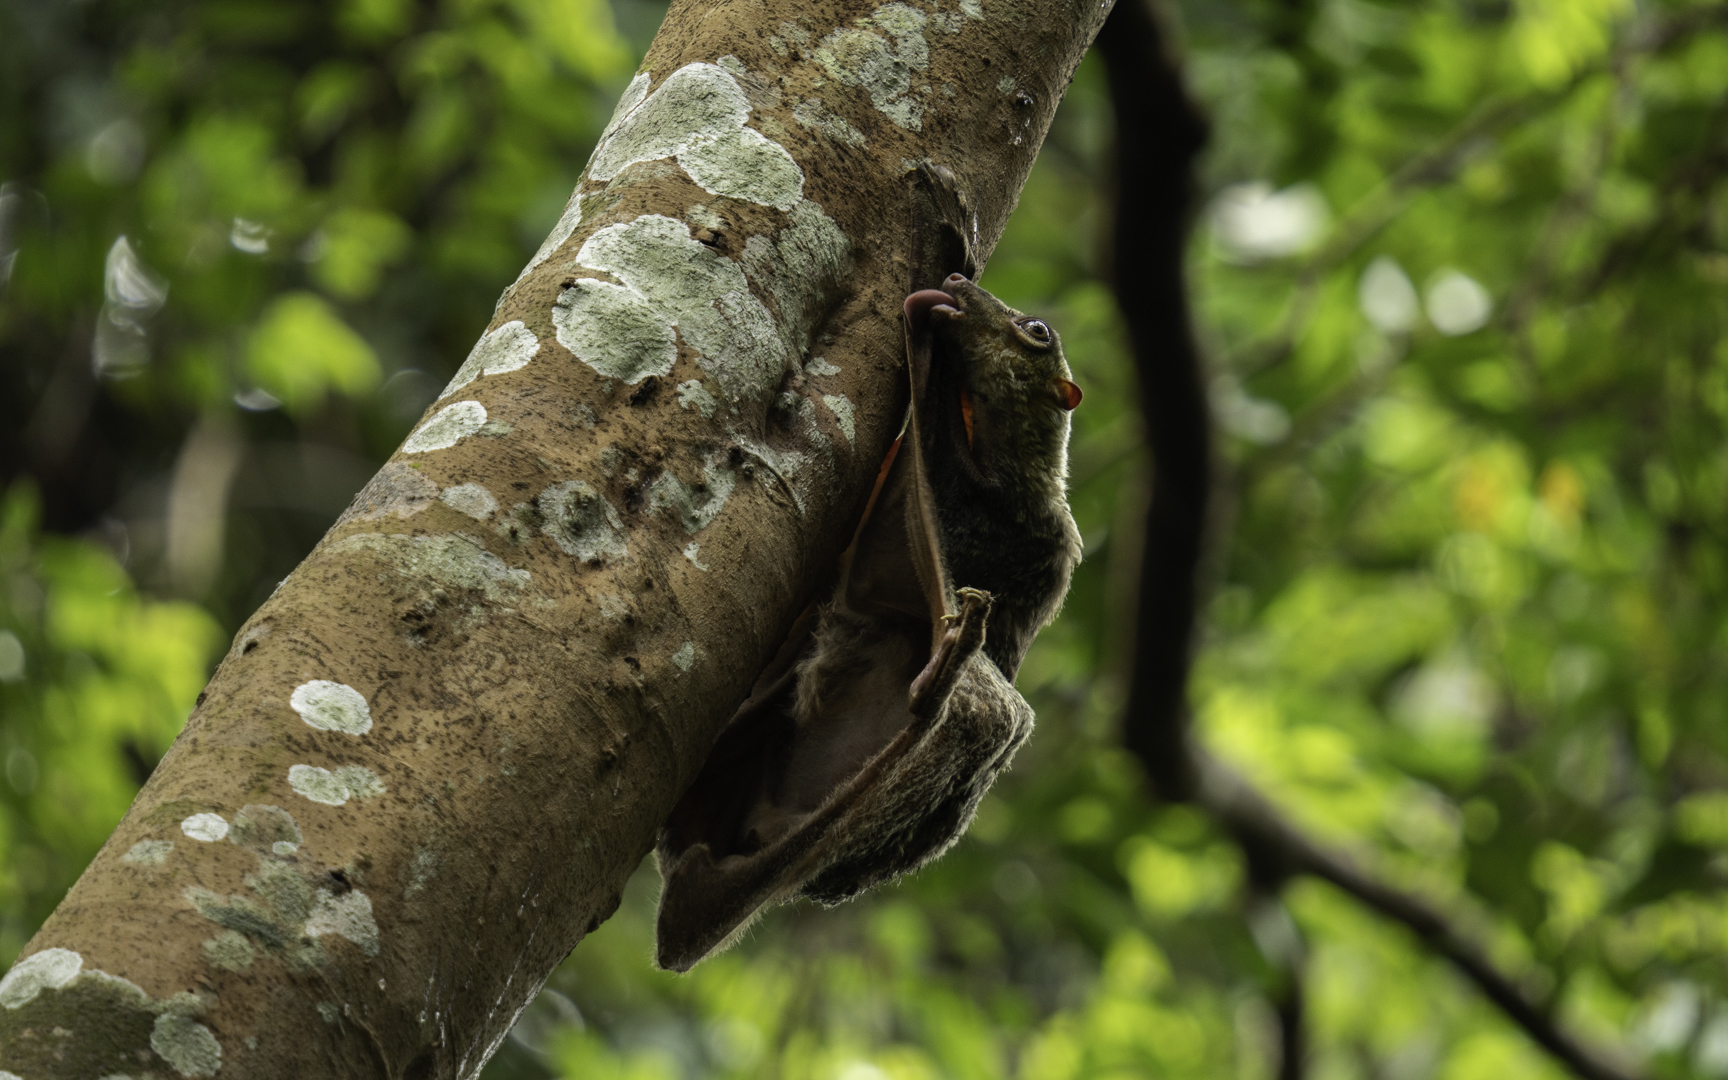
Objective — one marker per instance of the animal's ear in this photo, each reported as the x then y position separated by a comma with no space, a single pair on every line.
1067,395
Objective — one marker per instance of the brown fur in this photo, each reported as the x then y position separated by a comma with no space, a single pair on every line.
867,757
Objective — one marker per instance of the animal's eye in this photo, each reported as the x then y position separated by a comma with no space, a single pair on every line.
1037,331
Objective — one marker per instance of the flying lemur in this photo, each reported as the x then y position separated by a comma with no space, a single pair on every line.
864,751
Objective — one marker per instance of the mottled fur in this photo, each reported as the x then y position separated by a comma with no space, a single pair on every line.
867,755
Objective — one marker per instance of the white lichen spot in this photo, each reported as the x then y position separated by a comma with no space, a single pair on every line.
333,787
733,64
613,606
4,1075
881,66
148,852
672,285
581,522
206,827
697,505
972,9
508,348
820,366
332,706
329,1011
690,551
496,429
692,395
49,969
567,223
704,216
449,426
812,113
471,499
284,848
1006,85
186,1045
685,656
697,116
585,417
795,267
841,407
348,915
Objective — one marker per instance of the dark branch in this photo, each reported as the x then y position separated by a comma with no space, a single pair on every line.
1159,134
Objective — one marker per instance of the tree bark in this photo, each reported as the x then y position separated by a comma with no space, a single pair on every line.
432,758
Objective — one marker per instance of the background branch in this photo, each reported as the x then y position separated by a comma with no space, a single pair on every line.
1159,136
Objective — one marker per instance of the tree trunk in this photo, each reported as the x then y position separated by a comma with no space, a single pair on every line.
433,757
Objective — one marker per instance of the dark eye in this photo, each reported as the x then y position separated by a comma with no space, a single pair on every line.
1037,331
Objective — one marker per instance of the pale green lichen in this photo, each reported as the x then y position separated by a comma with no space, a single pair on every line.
449,426
685,656
348,915
670,281
206,827
229,951
881,66
704,216
508,348
799,267
334,787
49,969
397,489
821,367
581,522
841,407
331,706
454,561
691,550
329,1011
692,395
471,499
187,1046
262,829
812,113
697,116
697,505
148,852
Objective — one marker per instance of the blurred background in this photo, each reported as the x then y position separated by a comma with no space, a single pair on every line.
1462,280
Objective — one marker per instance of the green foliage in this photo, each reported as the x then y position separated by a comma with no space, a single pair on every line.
1461,278
95,682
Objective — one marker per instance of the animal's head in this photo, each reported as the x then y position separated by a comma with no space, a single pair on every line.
1003,373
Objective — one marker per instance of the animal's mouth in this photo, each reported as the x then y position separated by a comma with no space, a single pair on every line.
947,304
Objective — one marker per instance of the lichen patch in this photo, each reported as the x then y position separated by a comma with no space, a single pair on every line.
449,426
332,706
581,522
508,348
333,787
187,1046
229,951
685,657
882,66
691,550
454,561
49,969
697,505
841,407
206,827
672,286
148,852
348,915
698,116
471,499
567,222
396,489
